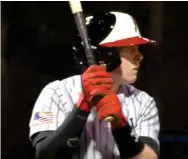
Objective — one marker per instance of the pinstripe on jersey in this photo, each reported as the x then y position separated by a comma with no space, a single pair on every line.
97,141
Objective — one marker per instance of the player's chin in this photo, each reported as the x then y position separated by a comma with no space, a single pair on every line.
129,80
132,79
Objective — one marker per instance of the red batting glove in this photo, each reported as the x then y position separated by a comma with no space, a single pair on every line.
95,77
110,105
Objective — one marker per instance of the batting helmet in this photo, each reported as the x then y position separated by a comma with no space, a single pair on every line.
106,32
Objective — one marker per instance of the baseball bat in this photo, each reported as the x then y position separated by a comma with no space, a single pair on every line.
77,11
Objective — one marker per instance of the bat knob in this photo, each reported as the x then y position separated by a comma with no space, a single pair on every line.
109,119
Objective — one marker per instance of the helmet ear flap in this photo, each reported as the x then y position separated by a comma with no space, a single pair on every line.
110,57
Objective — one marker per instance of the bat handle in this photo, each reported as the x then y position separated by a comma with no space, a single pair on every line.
95,100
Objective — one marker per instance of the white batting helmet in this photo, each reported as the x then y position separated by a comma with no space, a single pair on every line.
124,32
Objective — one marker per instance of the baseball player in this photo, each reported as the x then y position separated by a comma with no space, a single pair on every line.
66,122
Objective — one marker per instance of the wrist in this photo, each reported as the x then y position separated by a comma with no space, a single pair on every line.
83,103
118,122
128,144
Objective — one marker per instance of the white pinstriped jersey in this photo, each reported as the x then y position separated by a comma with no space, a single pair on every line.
58,98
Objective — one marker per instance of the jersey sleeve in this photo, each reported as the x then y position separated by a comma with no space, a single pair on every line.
51,108
148,123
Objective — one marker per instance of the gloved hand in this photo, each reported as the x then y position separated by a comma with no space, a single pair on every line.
95,77
110,105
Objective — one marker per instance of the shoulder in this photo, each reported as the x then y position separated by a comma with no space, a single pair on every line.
73,82
68,88
69,82
58,87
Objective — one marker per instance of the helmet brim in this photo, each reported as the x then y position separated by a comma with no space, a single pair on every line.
128,42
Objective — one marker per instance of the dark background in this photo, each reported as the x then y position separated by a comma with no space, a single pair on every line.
35,40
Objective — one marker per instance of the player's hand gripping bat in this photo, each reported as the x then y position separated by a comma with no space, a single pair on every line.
77,11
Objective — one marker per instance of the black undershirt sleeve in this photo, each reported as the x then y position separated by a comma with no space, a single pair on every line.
64,141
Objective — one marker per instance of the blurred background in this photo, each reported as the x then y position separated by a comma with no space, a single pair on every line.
35,50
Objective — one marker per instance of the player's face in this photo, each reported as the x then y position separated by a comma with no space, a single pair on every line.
130,63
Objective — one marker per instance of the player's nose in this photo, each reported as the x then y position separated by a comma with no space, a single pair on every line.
138,58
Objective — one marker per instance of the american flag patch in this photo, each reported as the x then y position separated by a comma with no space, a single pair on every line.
44,117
